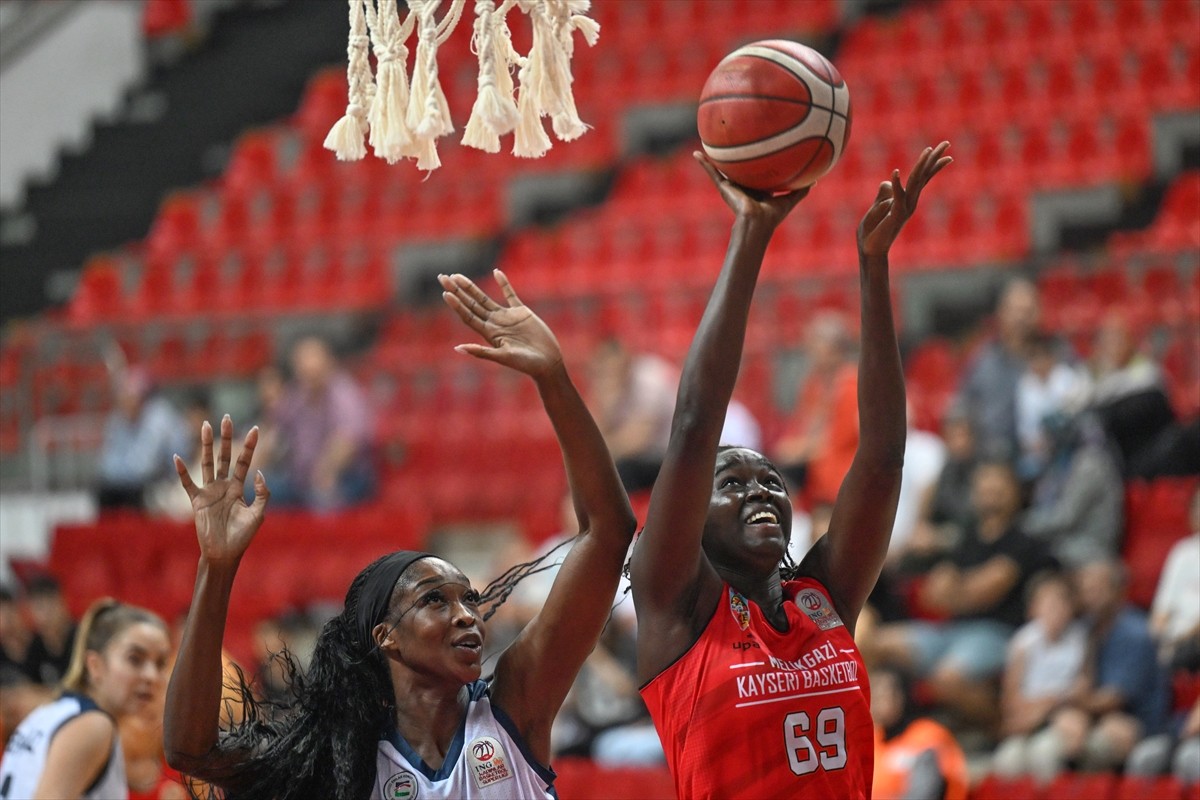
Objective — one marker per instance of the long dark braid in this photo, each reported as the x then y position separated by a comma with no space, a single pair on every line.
323,743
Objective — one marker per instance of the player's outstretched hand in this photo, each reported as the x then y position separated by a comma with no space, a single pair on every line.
895,203
225,525
516,337
749,203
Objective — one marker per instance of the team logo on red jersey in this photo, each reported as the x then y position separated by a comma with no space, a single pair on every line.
818,609
739,609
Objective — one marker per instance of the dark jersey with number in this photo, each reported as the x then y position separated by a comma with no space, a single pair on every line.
751,712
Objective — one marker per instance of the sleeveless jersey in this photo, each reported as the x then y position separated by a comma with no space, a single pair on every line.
487,759
749,712
25,755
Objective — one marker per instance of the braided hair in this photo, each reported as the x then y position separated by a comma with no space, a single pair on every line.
322,740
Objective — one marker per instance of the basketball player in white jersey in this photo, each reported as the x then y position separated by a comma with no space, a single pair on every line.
69,747
392,705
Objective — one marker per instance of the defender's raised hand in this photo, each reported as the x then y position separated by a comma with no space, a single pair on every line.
225,525
895,203
748,203
516,337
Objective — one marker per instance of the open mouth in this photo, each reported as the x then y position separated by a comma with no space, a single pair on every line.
472,643
764,517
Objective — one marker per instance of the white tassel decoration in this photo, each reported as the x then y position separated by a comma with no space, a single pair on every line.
346,136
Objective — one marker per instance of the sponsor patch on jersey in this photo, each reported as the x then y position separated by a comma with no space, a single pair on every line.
401,786
488,761
818,608
739,609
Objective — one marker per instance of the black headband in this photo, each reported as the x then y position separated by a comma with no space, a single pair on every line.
376,592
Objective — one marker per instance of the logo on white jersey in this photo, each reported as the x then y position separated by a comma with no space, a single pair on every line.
818,609
401,786
489,762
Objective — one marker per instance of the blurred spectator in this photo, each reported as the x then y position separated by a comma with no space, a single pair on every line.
924,462
1047,660
989,387
1178,754
1098,725
1130,397
143,431
741,428
603,716
634,398
915,757
1175,612
293,632
1078,502
1128,392
15,639
820,439
54,629
977,590
166,497
950,504
319,435
1046,388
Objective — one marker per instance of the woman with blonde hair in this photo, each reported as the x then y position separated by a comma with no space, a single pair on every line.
70,747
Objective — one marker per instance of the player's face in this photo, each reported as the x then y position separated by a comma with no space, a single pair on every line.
750,514
128,674
438,630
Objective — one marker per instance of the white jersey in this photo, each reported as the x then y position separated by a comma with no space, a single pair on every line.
25,756
487,759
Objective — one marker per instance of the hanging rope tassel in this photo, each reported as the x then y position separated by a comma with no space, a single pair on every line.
530,140
570,18
494,112
346,136
390,135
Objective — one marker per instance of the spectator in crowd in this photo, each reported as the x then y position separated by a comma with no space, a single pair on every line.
1178,754
1097,726
916,758
1047,660
819,441
319,436
989,387
15,638
949,508
140,436
741,428
634,398
1078,503
1128,392
1048,385
925,460
53,627
163,496
978,589
603,716
1175,612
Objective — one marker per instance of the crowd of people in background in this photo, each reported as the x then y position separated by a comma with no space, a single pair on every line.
1001,620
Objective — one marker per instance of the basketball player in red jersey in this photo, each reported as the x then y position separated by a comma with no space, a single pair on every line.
750,671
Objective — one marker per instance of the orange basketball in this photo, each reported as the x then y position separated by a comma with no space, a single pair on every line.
774,115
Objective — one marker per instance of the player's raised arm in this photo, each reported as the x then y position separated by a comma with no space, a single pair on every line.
847,560
534,674
674,585
225,526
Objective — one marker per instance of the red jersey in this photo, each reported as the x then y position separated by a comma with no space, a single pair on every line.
751,712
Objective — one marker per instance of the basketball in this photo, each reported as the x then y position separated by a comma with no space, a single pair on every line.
774,115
